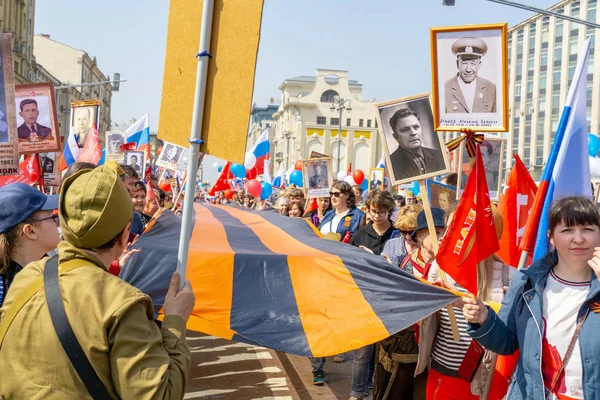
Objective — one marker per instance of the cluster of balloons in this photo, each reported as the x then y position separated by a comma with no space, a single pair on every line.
355,178
593,149
248,171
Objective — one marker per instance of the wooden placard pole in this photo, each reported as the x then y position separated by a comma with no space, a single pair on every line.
436,247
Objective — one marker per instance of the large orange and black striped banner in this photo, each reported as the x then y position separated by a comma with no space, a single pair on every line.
270,280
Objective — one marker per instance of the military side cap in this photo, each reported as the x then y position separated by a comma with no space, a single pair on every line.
19,201
469,46
94,207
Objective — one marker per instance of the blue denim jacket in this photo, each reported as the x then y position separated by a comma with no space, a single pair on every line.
519,325
356,216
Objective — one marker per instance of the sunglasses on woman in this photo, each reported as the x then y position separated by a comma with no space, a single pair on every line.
335,194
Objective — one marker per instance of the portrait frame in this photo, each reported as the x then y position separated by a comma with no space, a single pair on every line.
163,160
142,162
494,76
378,171
47,120
309,172
93,106
119,156
437,155
466,166
314,154
50,168
434,189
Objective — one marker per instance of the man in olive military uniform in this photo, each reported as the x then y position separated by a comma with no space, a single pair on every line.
318,180
467,92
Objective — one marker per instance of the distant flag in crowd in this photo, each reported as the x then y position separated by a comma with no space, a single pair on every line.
91,152
515,205
70,152
261,150
267,171
263,278
381,163
349,172
29,172
139,133
289,172
279,180
222,182
567,171
127,146
473,222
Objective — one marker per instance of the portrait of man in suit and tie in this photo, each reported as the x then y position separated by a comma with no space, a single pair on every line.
36,119
31,130
414,148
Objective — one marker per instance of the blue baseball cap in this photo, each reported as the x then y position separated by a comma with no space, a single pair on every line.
19,201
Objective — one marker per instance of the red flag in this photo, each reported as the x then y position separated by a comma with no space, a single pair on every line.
29,172
515,204
349,170
473,220
33,167
148,173
128,146
91,152
505,367
311,206
222,182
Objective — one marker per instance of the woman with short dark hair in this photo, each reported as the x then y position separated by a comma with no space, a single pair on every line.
345,218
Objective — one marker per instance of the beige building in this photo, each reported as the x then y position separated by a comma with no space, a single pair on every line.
305,122
17,18
63,108
74,67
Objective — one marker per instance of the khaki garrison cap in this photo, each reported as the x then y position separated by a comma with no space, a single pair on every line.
469,46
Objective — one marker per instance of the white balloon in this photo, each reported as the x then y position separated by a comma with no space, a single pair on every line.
215,165
249,160
350,180
595,167
341,175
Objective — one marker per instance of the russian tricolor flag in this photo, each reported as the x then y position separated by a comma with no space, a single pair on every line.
261,151
567,171
381,163
139,133
279,180
70,153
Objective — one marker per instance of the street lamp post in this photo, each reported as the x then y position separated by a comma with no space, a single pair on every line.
340,105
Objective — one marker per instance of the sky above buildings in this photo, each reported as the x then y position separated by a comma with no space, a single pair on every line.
384,44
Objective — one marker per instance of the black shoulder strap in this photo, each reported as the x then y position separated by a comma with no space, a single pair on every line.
65,333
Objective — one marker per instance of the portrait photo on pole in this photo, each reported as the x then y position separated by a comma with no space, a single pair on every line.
441,196
83,115
50,168
37,121
9,141
376,179
470,78
492,154
314,154
318,177
114,140
170,156
135,159
413,149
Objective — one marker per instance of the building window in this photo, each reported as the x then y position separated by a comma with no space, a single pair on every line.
335,121
558,29
348,121
329,96
541,105
575,9
557,52
540,131
542,83
555,103
368,123
321,121
361,122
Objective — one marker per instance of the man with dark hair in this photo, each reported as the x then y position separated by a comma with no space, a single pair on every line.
411,158
451,179
30,130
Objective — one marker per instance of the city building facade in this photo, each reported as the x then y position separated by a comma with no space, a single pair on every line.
306,122
17,18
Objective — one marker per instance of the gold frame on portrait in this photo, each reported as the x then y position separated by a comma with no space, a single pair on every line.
503,27
382,186
314,154
386,150
305,178
500,170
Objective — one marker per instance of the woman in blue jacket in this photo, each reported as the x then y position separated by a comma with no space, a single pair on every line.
345,218
551,311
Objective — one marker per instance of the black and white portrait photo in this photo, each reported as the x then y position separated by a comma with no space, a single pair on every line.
492,151
376,179
470,70
413,149
114,141
50,168
318,176
135,159
170,156
83,116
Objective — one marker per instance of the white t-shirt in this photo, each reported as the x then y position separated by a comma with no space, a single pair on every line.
331,226
562,301
468,90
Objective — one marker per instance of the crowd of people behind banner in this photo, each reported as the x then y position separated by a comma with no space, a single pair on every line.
424,361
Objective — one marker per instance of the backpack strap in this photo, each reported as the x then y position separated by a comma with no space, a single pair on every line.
65,333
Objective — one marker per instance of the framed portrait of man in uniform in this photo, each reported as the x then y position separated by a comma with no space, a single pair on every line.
412,148
376,179
84,114
492,154
37,122
318,177
135,159
470,77
170,156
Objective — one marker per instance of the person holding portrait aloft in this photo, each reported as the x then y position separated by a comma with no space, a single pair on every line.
467,92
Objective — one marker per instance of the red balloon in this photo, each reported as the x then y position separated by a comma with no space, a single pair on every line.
253,187
358,176
229,194
251,173
298,165
165,186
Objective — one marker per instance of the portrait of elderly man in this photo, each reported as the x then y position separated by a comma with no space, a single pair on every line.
30,129
82,123
467,92
319,179
411,158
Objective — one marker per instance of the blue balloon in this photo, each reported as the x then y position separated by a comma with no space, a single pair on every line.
593,144
220,168
296,178
416,189
238,170
267,189
365,184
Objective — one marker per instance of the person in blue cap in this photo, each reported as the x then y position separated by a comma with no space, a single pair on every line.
28,229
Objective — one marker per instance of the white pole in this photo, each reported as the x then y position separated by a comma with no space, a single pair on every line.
195,135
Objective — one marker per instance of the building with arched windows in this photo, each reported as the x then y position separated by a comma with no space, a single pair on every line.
305,122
